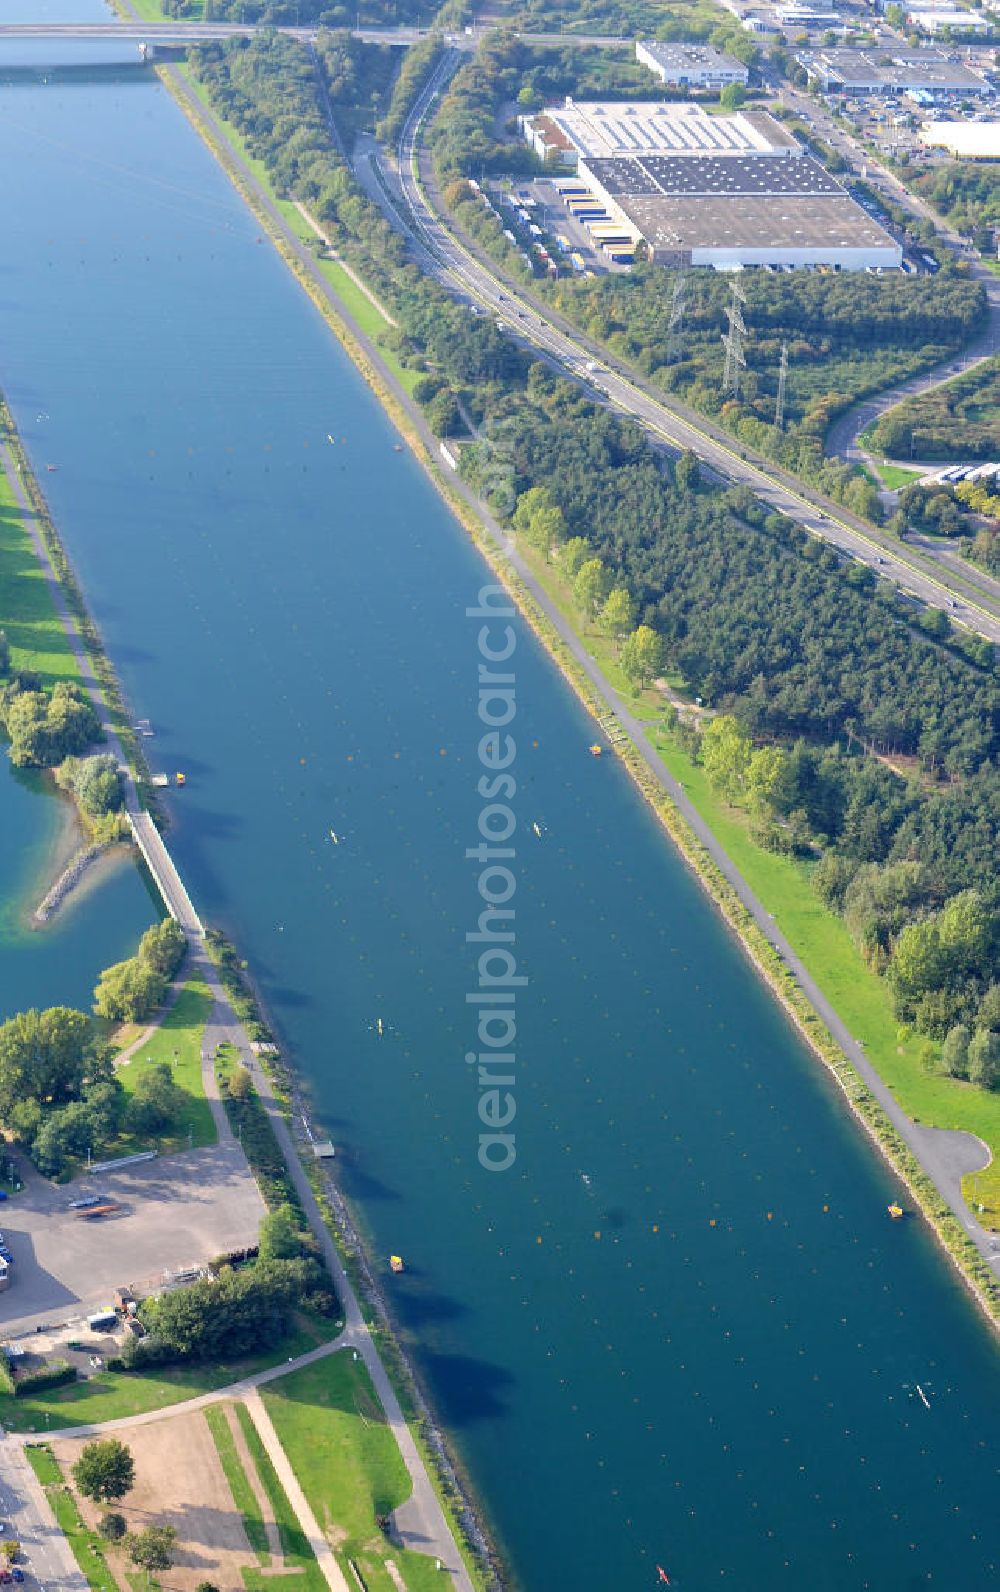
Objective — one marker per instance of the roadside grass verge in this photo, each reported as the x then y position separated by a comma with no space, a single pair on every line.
112,1394
299,1557
37,639
87,1547
244,1496
178,1043
334,1431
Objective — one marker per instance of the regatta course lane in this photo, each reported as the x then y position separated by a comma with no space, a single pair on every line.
681,1329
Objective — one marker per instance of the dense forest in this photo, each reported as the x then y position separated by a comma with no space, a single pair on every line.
328,13
967,194
847,336
959,420
811,657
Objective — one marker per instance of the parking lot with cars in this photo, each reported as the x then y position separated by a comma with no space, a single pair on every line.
150,1219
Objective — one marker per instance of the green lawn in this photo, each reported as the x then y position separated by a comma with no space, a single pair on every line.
152,11
299,1557
112,1394
178,1042
27,612
334,1432
357,305
819,937
894,475
86,1545
860,997
244,1496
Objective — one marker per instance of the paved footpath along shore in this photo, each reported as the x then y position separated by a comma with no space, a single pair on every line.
945,1154
420,1521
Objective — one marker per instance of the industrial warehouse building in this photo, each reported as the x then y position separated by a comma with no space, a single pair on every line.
696,66
875,72
725,191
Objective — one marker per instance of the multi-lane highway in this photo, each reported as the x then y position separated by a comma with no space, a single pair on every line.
969,599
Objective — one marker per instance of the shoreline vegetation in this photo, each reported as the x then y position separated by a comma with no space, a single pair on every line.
971,1267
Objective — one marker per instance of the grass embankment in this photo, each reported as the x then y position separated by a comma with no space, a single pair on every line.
357,306
38,641
860,997
178,1042
112,1394
817,935
335,1434
86,1545
243,1493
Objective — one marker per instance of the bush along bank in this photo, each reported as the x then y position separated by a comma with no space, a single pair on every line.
844,658
65,577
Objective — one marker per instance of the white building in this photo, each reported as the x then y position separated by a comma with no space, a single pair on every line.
690,65
964,140
938,21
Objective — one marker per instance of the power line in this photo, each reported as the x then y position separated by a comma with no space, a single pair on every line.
677,307
735,359
779,408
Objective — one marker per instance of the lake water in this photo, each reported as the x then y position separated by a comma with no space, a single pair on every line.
680,1330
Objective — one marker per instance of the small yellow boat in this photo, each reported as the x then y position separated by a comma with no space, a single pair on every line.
396,1264
896,1212
180,779
595,750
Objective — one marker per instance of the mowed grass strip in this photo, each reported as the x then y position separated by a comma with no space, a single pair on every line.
86,1546
860,997
37,639
357,305
783,885
244,1496
112,1394
299,1557
334,1431
178,1043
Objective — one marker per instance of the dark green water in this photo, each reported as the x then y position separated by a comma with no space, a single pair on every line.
627,1383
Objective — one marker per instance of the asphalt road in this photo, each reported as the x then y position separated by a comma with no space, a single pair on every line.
970,599
176,1212
843,434
47,1558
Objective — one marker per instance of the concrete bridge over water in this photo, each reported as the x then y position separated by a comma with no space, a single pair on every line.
183,33
165,876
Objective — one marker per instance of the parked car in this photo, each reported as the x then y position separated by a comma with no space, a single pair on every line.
6,1255
17,1572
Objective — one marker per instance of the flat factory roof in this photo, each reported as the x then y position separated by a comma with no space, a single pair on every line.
973,140
861,69
712,176
826,222
643,127
690,57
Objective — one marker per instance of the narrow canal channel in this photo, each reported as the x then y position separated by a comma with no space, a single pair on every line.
680,1330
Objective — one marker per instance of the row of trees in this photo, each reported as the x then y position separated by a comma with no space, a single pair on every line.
765,624
59,1095
938,949
960,420
129,991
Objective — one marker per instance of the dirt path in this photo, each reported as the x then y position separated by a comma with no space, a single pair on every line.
180,1482
334,1575
256,1486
